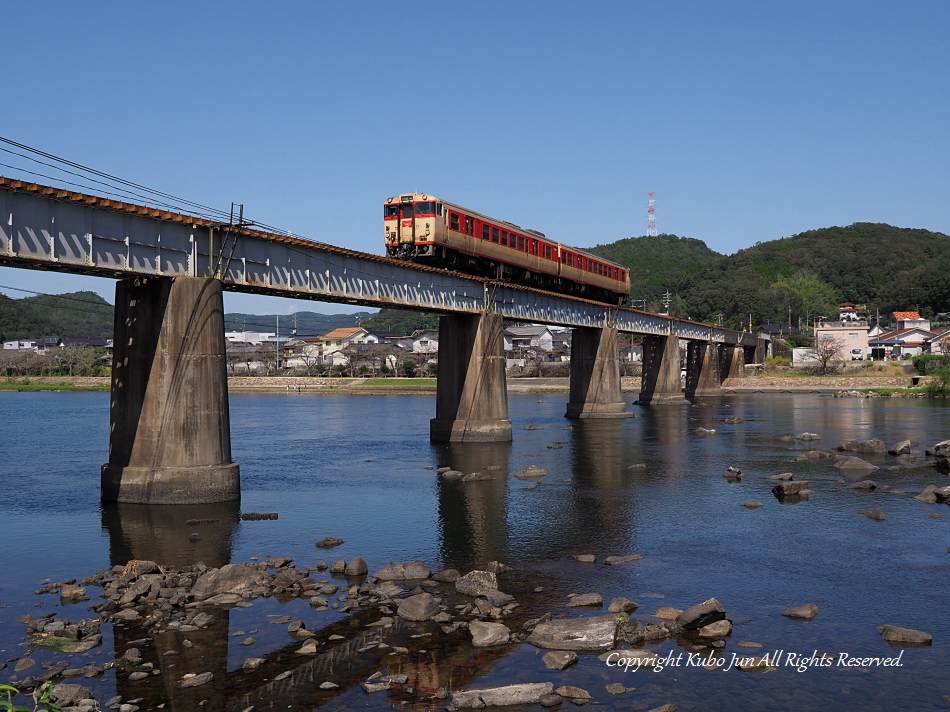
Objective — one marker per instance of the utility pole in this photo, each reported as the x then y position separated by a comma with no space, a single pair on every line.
278,345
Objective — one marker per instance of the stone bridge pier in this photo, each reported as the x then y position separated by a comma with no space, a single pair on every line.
471,393
170,431
660,382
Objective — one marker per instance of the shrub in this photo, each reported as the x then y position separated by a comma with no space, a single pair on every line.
939,384
928,362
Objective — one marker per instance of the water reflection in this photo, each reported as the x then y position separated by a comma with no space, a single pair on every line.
166,535
473,516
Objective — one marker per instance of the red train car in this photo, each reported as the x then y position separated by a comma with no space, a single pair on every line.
425,229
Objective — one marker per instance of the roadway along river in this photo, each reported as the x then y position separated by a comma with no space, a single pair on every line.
352,467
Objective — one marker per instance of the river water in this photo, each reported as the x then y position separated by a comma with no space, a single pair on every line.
352,466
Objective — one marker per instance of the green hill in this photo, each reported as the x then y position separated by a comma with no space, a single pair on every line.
658,263
79,314
887,268
307,323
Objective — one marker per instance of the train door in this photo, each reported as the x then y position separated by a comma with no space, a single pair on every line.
407,225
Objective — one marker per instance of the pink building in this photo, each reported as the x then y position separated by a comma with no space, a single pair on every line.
851,336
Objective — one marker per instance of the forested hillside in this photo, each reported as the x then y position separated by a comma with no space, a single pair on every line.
659,263
885,267
79,314
307,323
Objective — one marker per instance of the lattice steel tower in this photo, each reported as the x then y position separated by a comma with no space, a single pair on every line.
651,217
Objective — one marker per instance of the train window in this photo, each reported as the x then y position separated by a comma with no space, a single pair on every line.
564,257
504,238
454,221
426,208
521,242
494,234
469,227
407,210
485,234
534,247
547,252
438,209
390,211
569,259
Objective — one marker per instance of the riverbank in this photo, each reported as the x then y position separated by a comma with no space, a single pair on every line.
628,384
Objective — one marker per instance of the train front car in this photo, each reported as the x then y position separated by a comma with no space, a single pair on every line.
411,224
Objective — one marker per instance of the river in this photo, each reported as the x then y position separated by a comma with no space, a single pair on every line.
352,466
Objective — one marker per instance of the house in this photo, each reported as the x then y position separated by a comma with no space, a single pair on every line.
20,345
908,320
852,312
851,336
249,337
900,343
332,345
383,337
523,337
424,341
940,343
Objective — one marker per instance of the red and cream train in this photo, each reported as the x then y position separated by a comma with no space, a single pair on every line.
422,228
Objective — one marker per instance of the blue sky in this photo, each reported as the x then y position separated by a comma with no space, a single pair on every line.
751,120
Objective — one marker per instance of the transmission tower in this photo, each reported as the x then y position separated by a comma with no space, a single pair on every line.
651,217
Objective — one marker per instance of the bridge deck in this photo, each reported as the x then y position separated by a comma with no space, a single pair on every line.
59,230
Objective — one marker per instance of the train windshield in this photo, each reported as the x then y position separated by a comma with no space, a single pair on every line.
390,211
426,208
406,210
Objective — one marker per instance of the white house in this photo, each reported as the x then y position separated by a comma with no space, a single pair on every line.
523,337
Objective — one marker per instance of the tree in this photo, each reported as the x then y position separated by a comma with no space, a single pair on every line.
828,350
310,358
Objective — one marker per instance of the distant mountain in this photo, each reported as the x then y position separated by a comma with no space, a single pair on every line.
887,268
86,314
78,314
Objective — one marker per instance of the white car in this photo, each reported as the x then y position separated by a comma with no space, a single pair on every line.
857,355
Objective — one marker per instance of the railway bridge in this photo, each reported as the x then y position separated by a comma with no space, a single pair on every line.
170,428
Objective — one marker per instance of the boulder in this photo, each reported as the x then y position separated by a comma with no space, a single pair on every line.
192,680
329,542
893,634
854,465
733,420
701,615
848,446
622,605
871,447
586,599
927,495
586,635
71,594
752,504
420,607
863,485
524,694
559,659
733,474
476,583
615,560
252,664
499,599
531,472
717,629
477,477
902,448
785,489
398,571
452,475
782,477
668,613
585,558
805,437
356,567
446,576
66,694
485,635
805,612
876,514
338,567
230,578
572,693
941,449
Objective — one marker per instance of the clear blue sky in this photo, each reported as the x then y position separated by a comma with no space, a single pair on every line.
751,120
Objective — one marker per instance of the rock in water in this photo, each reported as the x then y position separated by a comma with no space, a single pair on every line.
356,567
531,472
230,578
893,634
615,560
586,635
420,607
902,448
526,694
476,583
806,612
485,635
941,449
701,615
559,659
586,599
805,437
402,572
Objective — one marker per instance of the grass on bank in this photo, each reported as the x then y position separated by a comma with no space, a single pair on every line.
26,385
399,382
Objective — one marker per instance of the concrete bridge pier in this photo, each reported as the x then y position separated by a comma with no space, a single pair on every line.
170,435
660,383
731,361
471,395
757,353
702,369
595,375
